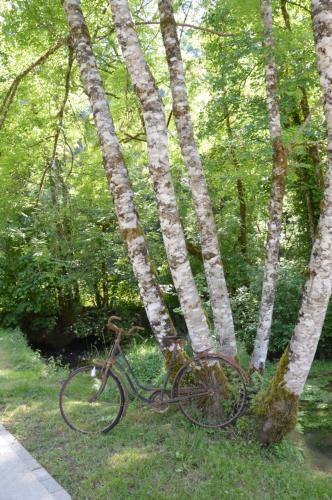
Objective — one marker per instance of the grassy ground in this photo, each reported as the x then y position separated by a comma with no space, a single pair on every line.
147,455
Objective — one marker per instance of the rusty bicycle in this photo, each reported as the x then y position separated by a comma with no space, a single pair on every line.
209,389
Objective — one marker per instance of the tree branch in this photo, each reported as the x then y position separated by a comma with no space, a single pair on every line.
136,137
185,20
169,118
60,115
301,129
191,26
71,153
64,101
299,5
9,97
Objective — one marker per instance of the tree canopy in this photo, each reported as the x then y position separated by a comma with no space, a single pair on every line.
63,265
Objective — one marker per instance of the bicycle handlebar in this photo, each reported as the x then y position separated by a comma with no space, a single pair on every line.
121,331
112,326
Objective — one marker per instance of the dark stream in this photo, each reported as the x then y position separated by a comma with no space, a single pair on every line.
78,352
313,435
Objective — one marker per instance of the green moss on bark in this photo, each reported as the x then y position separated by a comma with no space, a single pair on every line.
277,409
179,361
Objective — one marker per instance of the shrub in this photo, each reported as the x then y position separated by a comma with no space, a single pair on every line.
246,302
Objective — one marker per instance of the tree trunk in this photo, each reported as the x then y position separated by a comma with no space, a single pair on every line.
278,189
285,15
68,293
278,407
304,174
219,299
312,147
241,193
309,203
117,175
156,132
312,151
243,238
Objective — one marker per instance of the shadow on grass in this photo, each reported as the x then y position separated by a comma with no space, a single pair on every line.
159,456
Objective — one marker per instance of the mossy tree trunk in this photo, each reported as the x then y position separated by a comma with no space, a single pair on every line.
220,303
278,408
159,165
117,175
277,195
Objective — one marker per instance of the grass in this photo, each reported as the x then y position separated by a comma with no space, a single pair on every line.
147,455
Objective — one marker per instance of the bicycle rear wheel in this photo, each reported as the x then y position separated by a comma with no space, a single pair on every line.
90,403
211,391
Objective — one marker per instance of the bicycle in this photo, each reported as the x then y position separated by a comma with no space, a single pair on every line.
209,389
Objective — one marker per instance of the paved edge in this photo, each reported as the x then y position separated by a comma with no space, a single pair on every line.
31,465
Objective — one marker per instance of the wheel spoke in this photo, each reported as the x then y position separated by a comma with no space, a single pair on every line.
211,393
91,402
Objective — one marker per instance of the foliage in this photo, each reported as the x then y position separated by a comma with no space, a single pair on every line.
91,323
63,266
246,301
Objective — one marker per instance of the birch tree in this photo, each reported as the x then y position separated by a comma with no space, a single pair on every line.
277,195
278,408
219,299
117,174
157,141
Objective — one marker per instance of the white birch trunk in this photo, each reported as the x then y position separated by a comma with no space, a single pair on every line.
117,174
278,189
156,131
317,291
219,299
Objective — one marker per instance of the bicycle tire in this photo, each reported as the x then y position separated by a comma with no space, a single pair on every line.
80,408
211,390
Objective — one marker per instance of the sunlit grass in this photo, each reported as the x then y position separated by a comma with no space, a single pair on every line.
147,455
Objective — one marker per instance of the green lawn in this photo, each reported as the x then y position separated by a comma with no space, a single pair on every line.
147,455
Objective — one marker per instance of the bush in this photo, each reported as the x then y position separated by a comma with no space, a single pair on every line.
91,322
246,303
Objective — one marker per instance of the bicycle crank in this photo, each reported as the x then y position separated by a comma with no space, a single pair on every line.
159,401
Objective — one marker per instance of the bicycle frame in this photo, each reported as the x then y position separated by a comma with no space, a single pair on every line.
193,380
117,353
133,381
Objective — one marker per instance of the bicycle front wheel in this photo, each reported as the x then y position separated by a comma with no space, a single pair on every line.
211,391
91,402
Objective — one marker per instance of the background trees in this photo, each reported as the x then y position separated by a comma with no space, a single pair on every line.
225,80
